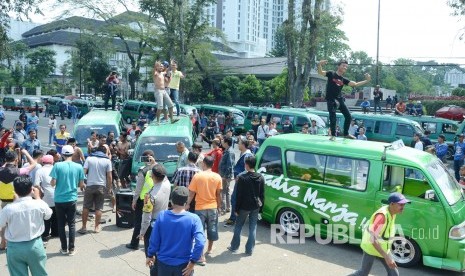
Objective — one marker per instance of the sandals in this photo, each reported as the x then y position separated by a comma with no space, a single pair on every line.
82,231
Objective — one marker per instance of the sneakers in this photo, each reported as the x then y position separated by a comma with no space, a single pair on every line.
232,250
229,222
72,252
64,252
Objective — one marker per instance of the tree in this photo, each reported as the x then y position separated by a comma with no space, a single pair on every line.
301,46
360,63
458,91
279,49
333,44
228,89
278,86
250,89
41,64
21,8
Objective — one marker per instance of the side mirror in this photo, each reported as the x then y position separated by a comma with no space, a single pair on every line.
131,152
430,195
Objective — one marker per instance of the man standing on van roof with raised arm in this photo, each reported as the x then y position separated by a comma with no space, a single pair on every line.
333,93
377,236
160,93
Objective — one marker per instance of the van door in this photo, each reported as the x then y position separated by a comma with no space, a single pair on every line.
383,131
423,221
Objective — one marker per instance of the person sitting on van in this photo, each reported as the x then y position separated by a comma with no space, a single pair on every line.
418,108
361,134
365,105
287,126
400,108
142,120
441,147
411,108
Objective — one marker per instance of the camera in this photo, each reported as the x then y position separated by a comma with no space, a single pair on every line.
144,159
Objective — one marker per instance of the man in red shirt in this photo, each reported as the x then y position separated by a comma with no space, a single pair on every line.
216,153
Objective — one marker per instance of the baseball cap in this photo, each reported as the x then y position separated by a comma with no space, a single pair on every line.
397,198
461,135
179,195
47,159
67,150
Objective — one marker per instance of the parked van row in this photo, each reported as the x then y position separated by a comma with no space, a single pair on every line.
27,103
316,182
131,109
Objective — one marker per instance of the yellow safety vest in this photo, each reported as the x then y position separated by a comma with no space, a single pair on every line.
7,191
148,184
386,233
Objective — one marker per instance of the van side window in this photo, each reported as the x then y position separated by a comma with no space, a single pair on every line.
404,130
275,118
131,107
369,126
301,121
408,181
429,126
250,114
449,128
271,160
383,128
305,166
346,172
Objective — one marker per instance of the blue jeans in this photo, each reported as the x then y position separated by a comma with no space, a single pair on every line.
457,165
171,270
66,213
233,203
378,106
51,135
174,94
236,240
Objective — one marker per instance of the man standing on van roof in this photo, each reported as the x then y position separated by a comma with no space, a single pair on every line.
377,236
161,96
333,93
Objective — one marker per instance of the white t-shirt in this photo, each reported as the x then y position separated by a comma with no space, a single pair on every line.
262,131
353,129
419,145
97,168
43,180
273,132
52,123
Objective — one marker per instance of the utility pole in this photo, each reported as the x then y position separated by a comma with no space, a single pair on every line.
377,45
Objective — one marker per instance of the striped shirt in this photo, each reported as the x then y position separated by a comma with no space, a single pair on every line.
184,175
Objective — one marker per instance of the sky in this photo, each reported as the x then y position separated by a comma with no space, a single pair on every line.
417,29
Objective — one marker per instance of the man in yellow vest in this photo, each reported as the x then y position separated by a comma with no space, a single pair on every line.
377,236
143,186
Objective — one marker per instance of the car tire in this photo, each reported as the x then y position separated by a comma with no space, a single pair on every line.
290,221
405,251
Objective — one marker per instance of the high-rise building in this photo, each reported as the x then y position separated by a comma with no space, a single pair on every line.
250,25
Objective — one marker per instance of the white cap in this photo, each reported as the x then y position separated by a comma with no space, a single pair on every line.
67,150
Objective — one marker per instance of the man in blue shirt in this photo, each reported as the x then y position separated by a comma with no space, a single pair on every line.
441,147
32,122
172,235
32,143
66,176
459,148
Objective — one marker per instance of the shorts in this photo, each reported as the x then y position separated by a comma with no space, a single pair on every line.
162,99
124,169
94,196
209,218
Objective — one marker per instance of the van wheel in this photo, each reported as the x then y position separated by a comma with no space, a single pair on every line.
405,251
128,120
290,221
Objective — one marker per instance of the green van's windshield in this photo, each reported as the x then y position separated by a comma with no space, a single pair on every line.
446,182
164,147
82,132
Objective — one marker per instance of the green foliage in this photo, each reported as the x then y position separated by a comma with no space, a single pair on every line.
250,89
458,91
280,47
228,89
41,64
333,42
279,86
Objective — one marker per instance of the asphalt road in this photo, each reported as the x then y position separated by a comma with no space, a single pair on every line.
105,253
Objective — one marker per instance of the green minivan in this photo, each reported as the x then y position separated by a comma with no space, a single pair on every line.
29,104
162,139
11,103
209,109
131,109
83,106
330,189
101,122
54,104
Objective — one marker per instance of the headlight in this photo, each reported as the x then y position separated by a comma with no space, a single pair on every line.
457,232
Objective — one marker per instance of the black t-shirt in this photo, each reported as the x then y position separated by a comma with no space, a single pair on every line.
378,95
334,85
287,128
